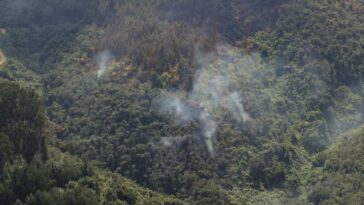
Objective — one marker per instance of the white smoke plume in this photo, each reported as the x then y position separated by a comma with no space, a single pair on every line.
236,107
215,91
104,59
174,104
173,141
209,129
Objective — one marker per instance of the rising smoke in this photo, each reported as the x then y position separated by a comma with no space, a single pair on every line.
215,92
173,141
103,59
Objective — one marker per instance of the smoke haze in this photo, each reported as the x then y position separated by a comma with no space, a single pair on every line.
104,59
214,93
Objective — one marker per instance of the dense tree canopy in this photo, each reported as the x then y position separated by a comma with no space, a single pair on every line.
213,101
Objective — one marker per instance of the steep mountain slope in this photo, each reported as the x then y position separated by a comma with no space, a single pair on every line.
338,174
35,173
217,102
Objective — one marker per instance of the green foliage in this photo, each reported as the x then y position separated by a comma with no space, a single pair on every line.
326,32
305,90
22,120
272,167
13,70
64,168
62,179
30,179
154,46
339,171
20,179
5,149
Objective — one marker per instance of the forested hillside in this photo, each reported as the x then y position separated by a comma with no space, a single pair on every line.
181,102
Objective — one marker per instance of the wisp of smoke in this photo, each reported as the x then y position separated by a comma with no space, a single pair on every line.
173,141
103,59
236,107
174,104
212,94
209,129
